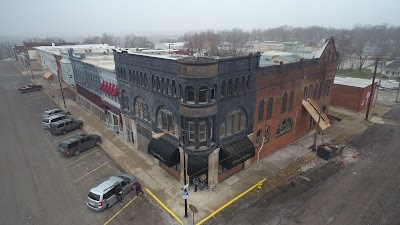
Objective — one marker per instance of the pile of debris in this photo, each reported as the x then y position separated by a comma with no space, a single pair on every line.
329,150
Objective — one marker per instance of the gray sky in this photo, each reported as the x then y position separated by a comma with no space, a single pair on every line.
92,17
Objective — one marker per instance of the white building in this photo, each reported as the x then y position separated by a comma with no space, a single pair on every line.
165,46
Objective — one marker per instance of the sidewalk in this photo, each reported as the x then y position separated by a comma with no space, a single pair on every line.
168,189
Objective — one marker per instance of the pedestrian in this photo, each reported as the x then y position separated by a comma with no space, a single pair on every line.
202,181
118,192
196,183
138,188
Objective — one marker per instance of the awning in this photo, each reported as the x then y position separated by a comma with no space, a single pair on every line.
236,153
48,76
166,152
313,108
111,90
115,92
114,109
101,85
106,87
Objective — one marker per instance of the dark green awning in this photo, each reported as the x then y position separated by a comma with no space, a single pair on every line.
236,153
166,152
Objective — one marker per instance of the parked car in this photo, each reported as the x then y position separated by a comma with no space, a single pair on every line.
30,88
64,126
103,195
78,144
52,112
47,121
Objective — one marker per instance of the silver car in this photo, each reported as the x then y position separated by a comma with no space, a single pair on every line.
53,112
103,195
47,121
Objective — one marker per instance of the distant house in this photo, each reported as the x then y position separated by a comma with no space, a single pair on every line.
171,46
352,93
273,57
392,70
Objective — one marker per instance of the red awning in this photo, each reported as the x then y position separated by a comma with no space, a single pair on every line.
101,85
115,92
113,108
108,86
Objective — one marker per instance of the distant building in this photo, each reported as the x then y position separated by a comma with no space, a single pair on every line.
352,93
170,46
392,70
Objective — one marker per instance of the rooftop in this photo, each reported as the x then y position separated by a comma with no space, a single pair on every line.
104,61
353,82
58,50
393,65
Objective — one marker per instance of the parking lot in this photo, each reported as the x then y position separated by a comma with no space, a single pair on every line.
45,187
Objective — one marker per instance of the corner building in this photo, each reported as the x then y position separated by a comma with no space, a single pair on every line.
224,114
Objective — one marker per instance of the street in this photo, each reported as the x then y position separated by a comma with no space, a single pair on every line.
40,186
365,191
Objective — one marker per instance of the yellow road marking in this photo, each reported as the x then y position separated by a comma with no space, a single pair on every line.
81,157
164,206
258,184
65,138
91,171
116,214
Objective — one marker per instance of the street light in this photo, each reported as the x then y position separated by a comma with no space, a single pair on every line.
160,135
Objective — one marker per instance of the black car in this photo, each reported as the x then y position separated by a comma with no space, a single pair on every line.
30,88
78,144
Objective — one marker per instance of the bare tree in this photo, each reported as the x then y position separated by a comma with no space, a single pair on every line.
6,50
238,41
108,39
92,40
343,46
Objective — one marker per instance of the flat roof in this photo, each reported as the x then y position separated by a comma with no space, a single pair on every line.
104,61
353,82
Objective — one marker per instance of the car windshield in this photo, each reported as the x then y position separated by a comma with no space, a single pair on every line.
94,196
125,178
46,120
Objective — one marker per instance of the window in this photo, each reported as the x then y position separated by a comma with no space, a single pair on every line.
141,109
291,99
248,82
83,140
158,83
310,92
181,92
152,83
235,121
327,87
189,95
269,108
284,102
315,91
261,111
165,119
236,90
167,88
192,133
173,89
223,89
202,133
266,135
203,95
258,138
305,93
212,92
284,127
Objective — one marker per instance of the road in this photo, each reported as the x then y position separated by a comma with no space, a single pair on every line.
38,185
366,191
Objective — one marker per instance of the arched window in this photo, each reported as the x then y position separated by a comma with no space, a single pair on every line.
223,89
230,87
266,134
141,79
167,88
125,100
284,102
181,92
173,89
284,127
137,78
310,91
158,83
305,93
212,93
291,99
269,108
234,122
203,94
190,95
162,85
153,86
236,90
165,119
141,109
261,111
145,80
315,91
248,82
258,138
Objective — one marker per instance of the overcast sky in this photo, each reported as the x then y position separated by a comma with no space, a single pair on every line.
92,17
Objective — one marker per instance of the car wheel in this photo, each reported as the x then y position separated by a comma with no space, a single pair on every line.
76,153
80,126
108,206
98,143
64,132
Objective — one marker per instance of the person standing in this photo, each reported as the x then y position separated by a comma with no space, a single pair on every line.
196,183
118,192
138,188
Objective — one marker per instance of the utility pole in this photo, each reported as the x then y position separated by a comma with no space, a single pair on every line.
372,90
62,92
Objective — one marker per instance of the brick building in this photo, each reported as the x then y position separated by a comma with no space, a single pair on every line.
352,93
224,114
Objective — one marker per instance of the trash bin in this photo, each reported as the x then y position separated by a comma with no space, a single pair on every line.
329,150
324,153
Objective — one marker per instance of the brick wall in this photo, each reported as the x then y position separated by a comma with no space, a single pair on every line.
352,98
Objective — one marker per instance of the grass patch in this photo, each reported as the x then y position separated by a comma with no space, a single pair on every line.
365,73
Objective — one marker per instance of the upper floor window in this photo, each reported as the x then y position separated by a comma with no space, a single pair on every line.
190,95
236,90
181,92
141,109
234,122
266,134
192,133
284,103
223,89
310,92
305,93
212,92
173,89
165,119
261,111
269,108
315,94
258,138
284,127
291,99
203,95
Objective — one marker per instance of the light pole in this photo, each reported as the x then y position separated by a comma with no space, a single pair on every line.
62,92
160,135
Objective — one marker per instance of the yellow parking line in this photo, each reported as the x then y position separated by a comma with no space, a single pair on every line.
65,138
164,206
81,158
91,172
116,214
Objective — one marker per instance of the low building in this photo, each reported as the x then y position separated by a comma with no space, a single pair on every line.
352,93
392,70
170,46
